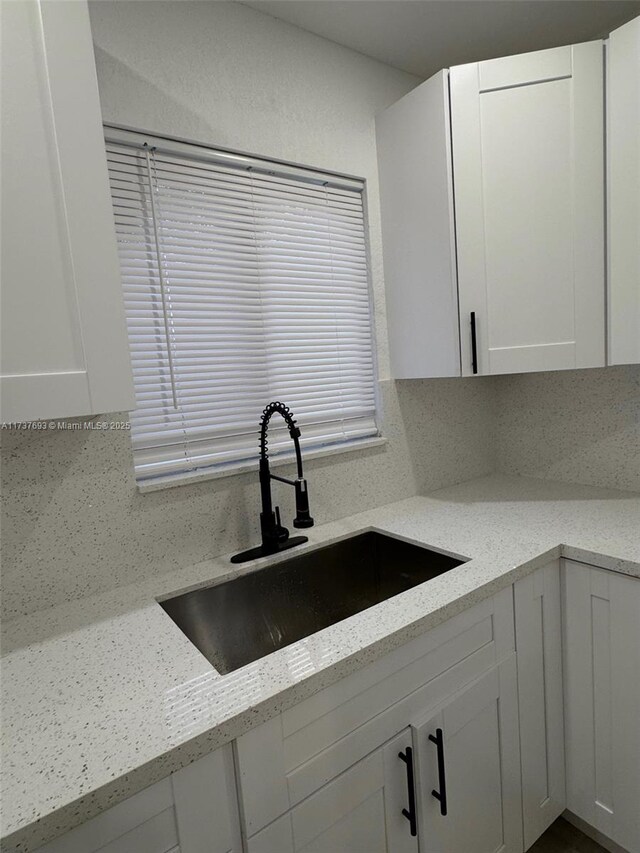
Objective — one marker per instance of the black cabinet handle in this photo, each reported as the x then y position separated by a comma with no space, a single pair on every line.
410,814
474,344
440,795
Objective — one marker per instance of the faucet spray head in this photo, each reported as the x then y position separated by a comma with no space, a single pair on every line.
303,517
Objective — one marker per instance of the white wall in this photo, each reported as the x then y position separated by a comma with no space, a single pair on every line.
226,74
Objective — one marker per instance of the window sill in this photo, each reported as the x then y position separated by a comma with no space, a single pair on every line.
171,481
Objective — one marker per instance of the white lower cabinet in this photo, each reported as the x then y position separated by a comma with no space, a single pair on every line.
538,619
465,751
470,738
359,812
602,700
193,811
337,783
468,769
488,731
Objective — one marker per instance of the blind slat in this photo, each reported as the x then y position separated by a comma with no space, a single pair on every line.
265,284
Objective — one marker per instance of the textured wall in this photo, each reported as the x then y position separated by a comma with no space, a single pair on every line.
225,74
73,522
577,425
222,73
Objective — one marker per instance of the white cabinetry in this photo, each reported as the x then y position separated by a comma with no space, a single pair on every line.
64,343
418,228
320,792
361,810
469,769
623,202
528,153
193,811
538,618
468,729
602,700
525,139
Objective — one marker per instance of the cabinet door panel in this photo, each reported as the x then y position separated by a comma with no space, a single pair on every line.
362,829
602,700
144,810
310,744
539,658
527,153
275,838
156,836
193,811
623,185
64,342
481,769
524,69
206,805
418,232
359,812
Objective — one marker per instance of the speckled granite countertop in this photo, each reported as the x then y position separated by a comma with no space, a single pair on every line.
104,696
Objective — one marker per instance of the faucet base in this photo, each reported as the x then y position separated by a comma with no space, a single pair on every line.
260,551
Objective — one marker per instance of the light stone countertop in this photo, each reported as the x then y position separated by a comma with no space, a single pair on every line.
104,696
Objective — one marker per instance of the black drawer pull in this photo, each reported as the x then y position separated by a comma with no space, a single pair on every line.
474,344
410,813
440,795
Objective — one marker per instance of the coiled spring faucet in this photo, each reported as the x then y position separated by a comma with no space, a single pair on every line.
275,537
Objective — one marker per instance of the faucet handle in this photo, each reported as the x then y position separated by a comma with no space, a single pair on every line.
282,534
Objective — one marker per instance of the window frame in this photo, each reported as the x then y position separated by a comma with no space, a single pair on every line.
122,134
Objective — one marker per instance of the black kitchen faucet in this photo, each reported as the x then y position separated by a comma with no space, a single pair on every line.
275,537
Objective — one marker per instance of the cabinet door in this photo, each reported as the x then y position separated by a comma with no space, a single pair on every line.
317,740
359,812
623,183
537,607
206,804
602,700
64,343
193,811
418,232
528,157
468,754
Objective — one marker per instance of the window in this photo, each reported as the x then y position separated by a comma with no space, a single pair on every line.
245,281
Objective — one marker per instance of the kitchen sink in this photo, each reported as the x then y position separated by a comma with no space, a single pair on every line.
241,620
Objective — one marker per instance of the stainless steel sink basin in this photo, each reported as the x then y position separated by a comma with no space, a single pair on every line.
244,619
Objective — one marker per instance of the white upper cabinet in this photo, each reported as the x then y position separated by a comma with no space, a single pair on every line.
506,201
64,344
528,154
416,195
623,202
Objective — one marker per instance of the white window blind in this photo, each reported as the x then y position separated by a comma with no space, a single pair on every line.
244,281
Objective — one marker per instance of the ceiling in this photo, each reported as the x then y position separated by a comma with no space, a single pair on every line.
423,36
